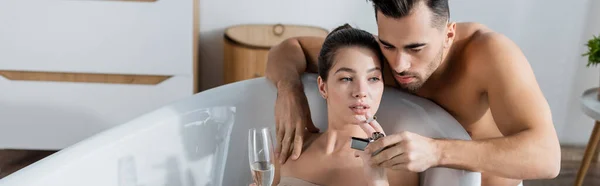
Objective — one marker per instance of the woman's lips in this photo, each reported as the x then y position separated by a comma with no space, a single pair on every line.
360,109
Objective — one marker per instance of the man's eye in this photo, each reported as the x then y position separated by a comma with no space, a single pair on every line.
416,49
388,47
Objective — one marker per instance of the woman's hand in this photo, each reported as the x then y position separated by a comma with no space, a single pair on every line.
375,174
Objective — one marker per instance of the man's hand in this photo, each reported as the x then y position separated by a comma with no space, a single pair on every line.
292,117
286,62
405,151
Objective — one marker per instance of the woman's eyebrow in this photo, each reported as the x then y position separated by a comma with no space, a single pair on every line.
345,69
373,69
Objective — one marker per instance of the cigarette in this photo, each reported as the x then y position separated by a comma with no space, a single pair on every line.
371,119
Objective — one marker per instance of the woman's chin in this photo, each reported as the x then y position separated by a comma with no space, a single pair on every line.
353,119
359,119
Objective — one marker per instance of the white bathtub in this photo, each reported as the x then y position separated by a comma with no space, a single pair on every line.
201,141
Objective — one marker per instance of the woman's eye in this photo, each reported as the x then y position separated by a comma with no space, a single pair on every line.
346,79
374,79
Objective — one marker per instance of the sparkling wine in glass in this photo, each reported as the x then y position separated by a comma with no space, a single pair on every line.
260,154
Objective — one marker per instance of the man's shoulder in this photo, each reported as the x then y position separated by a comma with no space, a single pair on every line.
489,53
486,43
486,46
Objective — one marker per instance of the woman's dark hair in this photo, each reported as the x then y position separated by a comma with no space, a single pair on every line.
342,37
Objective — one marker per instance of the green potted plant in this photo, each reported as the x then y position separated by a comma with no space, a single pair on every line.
593,53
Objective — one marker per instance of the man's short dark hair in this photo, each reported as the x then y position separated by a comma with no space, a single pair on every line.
401,8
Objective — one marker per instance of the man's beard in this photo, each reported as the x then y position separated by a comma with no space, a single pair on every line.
414,86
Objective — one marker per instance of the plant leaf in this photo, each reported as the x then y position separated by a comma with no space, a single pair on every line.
593,53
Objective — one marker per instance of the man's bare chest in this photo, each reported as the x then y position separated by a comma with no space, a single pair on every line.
469,107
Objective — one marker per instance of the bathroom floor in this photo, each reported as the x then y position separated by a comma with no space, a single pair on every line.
571,160
13,160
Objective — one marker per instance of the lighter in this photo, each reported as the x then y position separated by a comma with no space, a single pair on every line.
361,144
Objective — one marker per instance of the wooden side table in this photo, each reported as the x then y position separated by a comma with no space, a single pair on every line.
590,105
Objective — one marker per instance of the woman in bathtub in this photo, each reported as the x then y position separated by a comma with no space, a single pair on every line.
350,80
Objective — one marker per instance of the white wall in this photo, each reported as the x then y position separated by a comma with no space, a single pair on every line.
217,15
550,33
578,126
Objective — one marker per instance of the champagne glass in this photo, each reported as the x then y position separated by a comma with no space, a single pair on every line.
260,155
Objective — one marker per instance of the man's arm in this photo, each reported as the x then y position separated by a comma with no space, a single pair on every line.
285,63
530,148
288,60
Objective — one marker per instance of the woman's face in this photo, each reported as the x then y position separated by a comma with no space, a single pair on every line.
354,86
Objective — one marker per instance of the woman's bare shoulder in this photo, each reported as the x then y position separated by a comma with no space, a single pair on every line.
404,178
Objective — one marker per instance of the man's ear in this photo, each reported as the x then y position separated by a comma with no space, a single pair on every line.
450,34
322,87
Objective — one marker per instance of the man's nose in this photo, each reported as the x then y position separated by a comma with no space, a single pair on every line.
402,62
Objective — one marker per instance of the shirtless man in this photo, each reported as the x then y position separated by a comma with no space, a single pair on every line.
480,77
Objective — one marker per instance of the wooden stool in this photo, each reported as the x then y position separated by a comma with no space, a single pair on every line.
590,105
